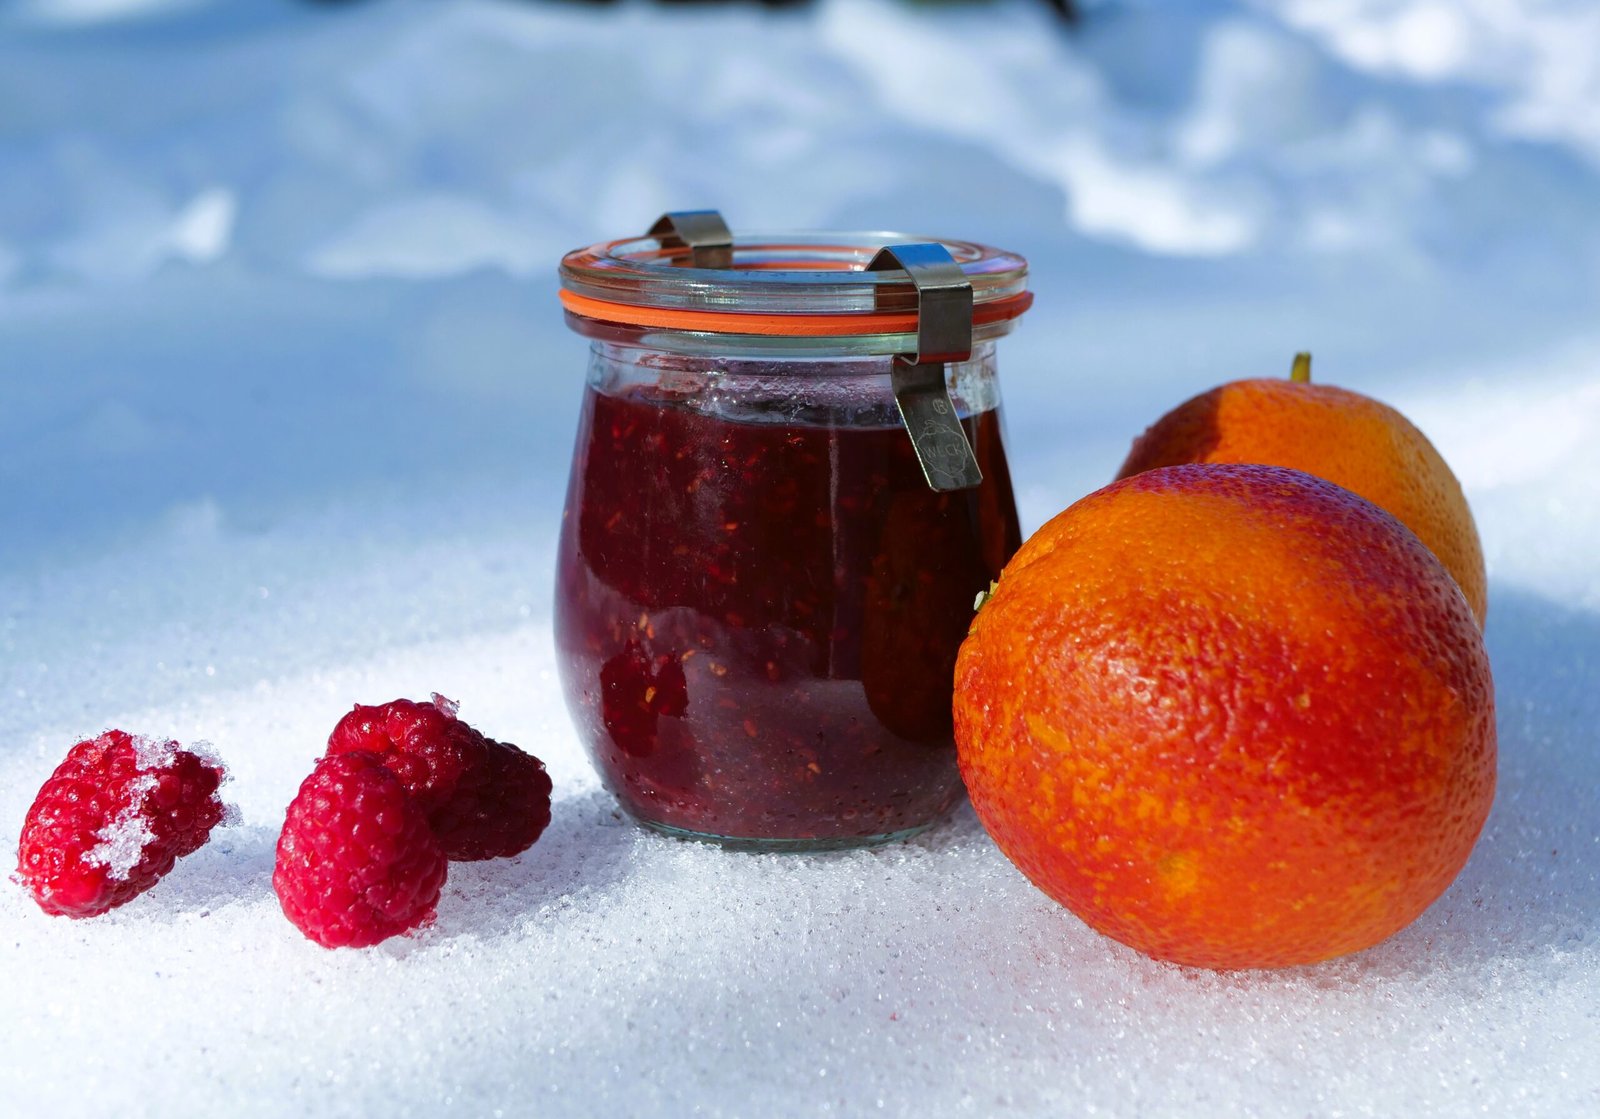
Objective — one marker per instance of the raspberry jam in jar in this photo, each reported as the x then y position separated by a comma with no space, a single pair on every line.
763,578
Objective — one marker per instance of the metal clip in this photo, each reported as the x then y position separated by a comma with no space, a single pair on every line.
702,232
944,334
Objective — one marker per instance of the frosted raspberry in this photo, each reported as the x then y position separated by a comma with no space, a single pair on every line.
485,799
112,819
357,862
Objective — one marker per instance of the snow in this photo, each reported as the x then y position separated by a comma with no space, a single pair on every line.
286,408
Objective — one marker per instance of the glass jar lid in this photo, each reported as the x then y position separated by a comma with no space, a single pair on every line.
773,287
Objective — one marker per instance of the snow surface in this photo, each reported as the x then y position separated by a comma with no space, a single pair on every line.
285,414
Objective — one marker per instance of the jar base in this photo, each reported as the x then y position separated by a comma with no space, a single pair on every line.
787,846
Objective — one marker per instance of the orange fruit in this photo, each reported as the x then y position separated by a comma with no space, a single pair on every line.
1350,439
1232,716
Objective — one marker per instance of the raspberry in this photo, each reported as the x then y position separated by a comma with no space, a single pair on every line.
357,862
498,809
484,799
112,819
423,744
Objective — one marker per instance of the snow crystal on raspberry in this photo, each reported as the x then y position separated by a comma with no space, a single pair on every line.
153,752
123,840
207,753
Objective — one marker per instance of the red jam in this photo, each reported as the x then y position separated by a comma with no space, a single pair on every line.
758,620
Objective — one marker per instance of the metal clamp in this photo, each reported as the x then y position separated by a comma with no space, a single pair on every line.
702,232
944,334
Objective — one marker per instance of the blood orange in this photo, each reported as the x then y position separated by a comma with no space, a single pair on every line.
1233,716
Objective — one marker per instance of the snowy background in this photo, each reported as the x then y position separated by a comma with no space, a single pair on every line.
286,406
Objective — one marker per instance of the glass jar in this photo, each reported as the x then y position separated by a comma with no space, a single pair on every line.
760,594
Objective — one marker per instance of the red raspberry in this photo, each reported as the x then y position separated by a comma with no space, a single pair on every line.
112,819
423,744
357,861
485,799
498,809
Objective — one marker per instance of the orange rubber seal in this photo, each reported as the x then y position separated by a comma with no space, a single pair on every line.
767,325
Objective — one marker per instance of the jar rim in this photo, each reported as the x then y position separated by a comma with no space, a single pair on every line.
780,284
